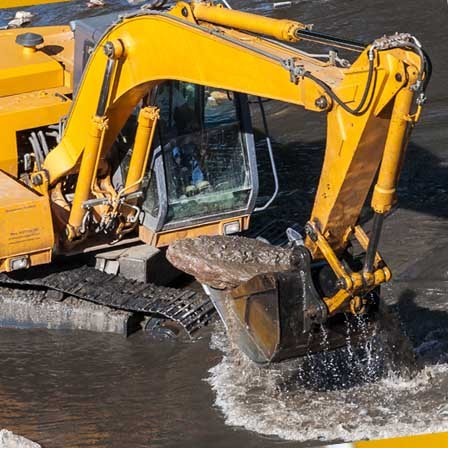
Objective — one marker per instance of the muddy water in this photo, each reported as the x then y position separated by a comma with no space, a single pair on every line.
88,389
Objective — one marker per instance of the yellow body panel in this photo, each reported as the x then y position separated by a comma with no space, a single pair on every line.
34,87
21,3
22,71
27,111
25,221
424,441
161,239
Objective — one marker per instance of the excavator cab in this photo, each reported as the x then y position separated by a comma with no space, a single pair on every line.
203,170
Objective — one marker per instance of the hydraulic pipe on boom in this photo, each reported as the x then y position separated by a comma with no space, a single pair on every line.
90,157
282,29
385,188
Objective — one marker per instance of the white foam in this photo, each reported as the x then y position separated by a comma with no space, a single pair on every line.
258,400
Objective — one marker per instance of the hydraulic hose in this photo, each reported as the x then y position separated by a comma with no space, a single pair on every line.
428,69
424,75
358,110
326,38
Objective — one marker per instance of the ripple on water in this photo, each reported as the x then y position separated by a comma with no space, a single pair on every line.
365,392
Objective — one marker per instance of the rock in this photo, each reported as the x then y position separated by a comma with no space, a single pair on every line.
95,3
10,439
277,5
224,262
24,15
21,18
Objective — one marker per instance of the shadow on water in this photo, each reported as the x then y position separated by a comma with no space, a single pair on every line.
423,183
422,186
426,328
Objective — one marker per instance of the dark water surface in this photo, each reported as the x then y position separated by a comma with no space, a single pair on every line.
86,389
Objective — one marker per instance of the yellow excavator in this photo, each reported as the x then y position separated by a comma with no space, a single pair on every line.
136,130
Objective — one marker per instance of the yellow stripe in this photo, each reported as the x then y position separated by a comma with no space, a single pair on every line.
424,441
21,3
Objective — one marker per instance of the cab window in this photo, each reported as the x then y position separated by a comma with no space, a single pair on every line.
205,160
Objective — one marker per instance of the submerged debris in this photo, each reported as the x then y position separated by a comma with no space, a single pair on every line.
282,5
20,19
95,3
10,439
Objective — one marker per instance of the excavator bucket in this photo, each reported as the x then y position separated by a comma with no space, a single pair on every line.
266,297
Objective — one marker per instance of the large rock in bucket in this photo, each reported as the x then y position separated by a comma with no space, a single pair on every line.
224,262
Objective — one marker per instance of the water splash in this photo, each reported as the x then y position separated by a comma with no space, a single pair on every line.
372,390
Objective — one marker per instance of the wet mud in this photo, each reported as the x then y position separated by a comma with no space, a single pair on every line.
87,389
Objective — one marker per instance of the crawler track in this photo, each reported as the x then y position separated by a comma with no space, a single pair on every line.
191,309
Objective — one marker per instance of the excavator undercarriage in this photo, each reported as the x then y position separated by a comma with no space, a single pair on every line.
189,310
